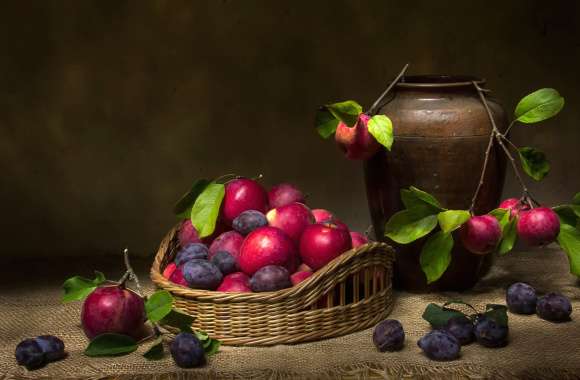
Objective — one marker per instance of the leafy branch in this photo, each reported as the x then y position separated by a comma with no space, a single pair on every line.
158,309
423,213
348,112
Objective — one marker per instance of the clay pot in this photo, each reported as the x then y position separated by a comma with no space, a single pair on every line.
441,133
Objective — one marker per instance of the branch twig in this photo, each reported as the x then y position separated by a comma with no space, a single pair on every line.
483,170
130,274
376,107
499,137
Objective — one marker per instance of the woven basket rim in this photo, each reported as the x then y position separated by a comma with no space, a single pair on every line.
294,291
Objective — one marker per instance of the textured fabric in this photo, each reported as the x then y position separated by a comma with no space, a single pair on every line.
537,349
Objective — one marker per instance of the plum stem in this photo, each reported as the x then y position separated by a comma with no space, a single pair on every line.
377,105
499,137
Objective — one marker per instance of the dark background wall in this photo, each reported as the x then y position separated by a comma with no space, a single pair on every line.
109,109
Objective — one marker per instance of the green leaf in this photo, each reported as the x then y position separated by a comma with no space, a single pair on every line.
178,320
534,162
156,351
381,128
346,111
206,209
569,240
426,197
78,288
183,207
201,335
409,225
436,255
158,305
539,105
576,199
111,345
497,313
566,214
451,220
438,316
210,345
502,215
509,235
326,123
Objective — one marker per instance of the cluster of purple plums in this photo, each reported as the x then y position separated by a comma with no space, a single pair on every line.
445,343
264,241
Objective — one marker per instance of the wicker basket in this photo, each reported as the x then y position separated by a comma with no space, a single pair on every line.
351,293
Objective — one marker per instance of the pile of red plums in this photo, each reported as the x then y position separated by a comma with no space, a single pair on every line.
264,241
534,226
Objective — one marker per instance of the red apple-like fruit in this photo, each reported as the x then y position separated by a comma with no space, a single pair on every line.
292,219
177,277
514,206
169,269
267,246
356,142
325,216
187,233
358,239
235,282
303,268
240,195
321,215
113,309
298,277
322,242
538,226
480,234
230,241
283,194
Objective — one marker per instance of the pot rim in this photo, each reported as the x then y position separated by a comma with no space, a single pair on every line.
438,81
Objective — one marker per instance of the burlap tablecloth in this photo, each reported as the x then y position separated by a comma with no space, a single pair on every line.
29,306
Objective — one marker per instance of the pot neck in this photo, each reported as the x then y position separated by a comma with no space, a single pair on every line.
439,83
